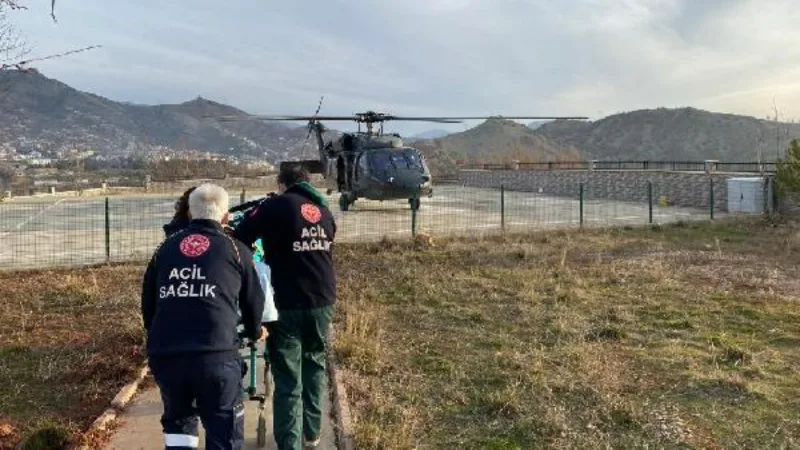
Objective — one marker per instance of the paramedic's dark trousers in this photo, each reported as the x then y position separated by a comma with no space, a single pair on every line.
214,381
297,353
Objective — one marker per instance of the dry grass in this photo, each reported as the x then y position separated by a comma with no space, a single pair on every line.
69,339
679,337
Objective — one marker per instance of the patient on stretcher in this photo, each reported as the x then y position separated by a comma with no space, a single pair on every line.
270,311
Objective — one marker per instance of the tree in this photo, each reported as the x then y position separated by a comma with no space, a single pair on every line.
12,46
6,177
15,5
787,172
781,130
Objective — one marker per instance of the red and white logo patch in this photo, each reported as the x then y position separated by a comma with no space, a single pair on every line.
311,212
194,245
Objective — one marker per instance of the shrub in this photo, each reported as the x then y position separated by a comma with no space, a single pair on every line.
787,171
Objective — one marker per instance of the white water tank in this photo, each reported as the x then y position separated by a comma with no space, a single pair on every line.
748,195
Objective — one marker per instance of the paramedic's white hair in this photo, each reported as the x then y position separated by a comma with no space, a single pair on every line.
208,201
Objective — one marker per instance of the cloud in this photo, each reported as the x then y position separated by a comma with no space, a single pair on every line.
453,57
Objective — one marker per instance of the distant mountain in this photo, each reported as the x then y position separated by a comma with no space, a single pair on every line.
674,134
495,141
45,115
39,115
430,134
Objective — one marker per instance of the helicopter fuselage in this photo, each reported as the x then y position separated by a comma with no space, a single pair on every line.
383,174
371,164
378,169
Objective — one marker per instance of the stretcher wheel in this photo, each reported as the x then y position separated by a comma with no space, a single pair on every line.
261,432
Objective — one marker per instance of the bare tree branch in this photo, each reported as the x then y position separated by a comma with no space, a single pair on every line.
15,5
12,46
781,130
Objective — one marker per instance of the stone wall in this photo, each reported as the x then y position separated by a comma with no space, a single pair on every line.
689,189
262,183
234,185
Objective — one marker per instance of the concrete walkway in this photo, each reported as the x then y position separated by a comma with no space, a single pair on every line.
141,426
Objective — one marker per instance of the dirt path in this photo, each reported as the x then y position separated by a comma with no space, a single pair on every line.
141,427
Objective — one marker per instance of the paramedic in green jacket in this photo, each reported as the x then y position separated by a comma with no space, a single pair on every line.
297,230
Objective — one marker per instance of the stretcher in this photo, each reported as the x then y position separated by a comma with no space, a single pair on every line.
270,314
251,392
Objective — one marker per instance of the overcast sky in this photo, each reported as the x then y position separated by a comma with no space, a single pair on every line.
429,57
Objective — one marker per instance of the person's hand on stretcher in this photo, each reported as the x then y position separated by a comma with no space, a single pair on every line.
264,334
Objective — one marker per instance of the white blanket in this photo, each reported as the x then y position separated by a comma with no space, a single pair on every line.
270,311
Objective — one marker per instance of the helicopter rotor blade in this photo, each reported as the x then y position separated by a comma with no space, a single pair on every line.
424,119
375,118
433,119
280,118
316,113
319,105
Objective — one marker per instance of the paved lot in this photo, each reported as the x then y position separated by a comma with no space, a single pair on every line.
51,231
141,427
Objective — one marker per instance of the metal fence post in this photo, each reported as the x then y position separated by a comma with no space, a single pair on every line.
711,197
650,200
108,233
414,214
581,205
503,207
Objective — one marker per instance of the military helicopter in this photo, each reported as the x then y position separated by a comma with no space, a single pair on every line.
371,164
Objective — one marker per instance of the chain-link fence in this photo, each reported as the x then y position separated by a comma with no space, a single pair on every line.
51,231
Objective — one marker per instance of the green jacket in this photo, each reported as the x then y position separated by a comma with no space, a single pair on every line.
316,196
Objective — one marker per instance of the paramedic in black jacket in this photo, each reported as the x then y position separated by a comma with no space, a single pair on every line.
194,286
297,231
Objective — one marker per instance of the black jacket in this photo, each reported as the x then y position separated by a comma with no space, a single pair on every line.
193,288
297,234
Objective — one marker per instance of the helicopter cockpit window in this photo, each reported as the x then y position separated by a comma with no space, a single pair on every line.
381,162
413,159
399,161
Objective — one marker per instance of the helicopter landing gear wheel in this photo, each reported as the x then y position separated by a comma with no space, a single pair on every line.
415,203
